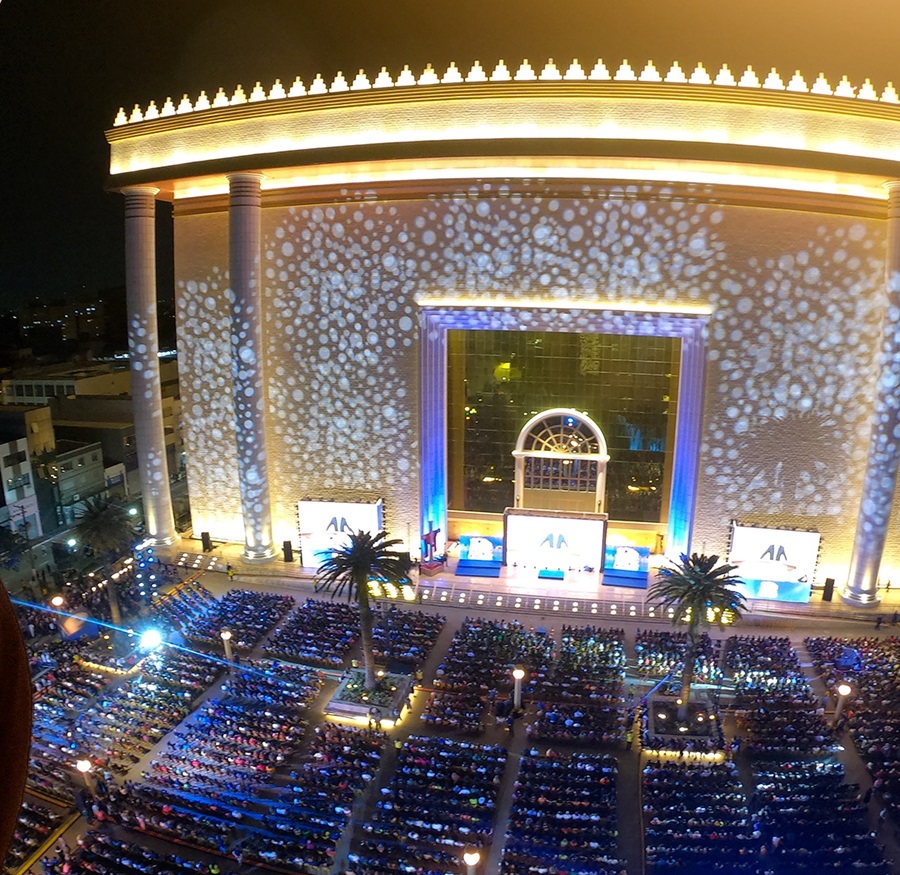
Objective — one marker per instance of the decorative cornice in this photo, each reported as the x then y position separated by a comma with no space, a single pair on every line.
524,73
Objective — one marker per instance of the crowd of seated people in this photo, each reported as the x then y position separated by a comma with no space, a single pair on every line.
115,726
811,821
441,797
35,623
581,695
586,723
773,702
659,652
563,817
405,637
292,820
226,746
480,660
61,693
34,827
696,819
180,669
238,774
182,606
872,668
247,614
456,712
98,853
317,633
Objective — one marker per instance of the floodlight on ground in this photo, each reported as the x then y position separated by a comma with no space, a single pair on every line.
151,639
71,542
57,601
132,511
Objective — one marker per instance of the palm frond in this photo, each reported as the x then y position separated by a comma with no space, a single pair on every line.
697,587
363,557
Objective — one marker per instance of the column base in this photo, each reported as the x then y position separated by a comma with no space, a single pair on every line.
163,541
259,554
860,600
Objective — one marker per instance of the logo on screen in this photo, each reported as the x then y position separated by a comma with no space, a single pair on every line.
774,555
343,527
560,542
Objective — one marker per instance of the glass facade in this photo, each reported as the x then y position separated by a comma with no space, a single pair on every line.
498,380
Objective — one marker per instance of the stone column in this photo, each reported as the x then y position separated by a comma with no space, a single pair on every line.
143,346
881,466
245,214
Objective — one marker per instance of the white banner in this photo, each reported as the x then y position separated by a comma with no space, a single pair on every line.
554,543
775,564
325,525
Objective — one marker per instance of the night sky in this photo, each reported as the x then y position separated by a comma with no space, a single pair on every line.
67,65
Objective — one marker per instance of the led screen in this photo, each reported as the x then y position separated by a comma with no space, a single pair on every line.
325,525
554,542
775,564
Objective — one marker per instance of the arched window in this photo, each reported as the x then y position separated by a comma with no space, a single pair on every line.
561,461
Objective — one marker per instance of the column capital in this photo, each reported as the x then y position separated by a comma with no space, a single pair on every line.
140,191
245,175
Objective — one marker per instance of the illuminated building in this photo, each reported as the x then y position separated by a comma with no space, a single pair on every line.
332,236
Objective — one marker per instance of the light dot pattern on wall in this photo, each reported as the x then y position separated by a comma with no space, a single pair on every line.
204,352
795,300
791,343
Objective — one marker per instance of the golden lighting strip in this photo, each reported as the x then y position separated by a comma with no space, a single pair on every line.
612,169
705,136
550,72
461,302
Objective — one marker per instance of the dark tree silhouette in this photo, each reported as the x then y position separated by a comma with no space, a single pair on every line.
701,592
349,569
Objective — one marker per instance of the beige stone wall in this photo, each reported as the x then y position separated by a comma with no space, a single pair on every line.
796,306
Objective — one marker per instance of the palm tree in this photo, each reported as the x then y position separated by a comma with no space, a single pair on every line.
702,594
106,528
349,569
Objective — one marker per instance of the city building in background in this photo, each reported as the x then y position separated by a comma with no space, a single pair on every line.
19,510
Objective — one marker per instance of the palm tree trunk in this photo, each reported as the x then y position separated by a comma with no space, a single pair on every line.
115,612
687,673
366,624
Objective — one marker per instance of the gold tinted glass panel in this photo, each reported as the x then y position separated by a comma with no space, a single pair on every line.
498,380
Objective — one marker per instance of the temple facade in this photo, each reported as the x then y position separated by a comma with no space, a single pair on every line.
708,261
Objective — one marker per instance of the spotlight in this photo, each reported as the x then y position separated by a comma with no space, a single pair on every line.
151,639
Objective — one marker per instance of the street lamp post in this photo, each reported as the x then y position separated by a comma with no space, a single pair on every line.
843,691
518,674
25,526
226,640
84,766
471,857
